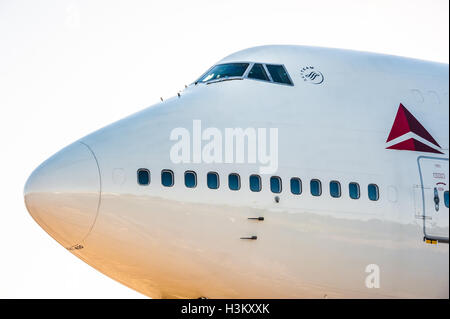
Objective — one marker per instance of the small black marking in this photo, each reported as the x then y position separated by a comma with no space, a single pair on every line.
256,218
250,238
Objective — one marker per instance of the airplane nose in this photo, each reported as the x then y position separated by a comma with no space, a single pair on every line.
63,194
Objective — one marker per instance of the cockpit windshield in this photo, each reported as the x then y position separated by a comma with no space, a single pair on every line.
222,71
273,73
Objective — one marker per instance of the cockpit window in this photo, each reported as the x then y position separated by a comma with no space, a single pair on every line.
278,74
223,71
258,72
273,73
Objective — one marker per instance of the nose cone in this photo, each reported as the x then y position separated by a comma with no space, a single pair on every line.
63,194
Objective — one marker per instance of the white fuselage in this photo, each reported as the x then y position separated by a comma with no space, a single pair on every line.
170,242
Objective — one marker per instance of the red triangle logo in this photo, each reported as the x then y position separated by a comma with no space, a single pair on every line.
404,123
413,145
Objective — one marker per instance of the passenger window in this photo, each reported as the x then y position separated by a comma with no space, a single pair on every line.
190,179
373,192
354,191
258,72
212,180
296,186
446,198
223,71
167,178
278,74
335,189
143,176
316,187
255,183
234,182
275,184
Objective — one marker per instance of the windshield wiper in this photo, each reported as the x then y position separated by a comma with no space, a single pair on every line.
224,79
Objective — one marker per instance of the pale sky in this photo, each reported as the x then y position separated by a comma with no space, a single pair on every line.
68,68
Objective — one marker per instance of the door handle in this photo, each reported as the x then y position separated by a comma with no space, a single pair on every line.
436,199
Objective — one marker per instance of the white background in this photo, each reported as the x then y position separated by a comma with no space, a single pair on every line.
68,68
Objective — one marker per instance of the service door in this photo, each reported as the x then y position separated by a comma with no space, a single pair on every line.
434,180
